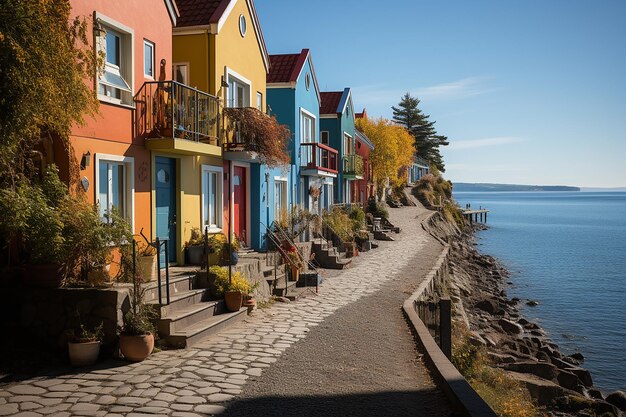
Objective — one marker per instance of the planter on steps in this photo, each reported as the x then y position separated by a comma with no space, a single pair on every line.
147,268
295,274
136,348
83,353
233,300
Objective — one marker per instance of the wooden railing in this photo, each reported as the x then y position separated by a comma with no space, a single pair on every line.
318,156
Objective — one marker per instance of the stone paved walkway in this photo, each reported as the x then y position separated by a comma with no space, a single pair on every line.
202,380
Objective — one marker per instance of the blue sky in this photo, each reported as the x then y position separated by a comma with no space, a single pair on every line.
530,92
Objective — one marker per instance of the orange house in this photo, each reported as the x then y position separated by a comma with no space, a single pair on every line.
114,165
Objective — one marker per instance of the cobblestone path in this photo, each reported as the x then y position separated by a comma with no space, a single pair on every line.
204,379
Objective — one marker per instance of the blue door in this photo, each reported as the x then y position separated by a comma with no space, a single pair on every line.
166,205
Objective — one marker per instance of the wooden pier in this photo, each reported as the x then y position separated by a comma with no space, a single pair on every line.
479,215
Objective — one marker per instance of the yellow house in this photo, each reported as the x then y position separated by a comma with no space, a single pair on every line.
218,47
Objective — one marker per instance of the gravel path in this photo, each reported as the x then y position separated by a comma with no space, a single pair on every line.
346,351
362,360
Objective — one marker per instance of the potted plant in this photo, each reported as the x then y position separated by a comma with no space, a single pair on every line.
195,247
137,334
295,263
146,262
84,344
232,290
230,253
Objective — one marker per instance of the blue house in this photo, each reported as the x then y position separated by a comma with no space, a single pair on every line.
418,169
294,98
338,131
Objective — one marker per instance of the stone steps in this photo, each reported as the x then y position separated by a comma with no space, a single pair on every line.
188,316
191,335
329,257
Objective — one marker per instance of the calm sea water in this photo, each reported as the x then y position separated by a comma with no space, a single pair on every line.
567,251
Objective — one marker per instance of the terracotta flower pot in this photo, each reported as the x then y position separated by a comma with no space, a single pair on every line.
295,274
136,348
83,354
233,300
250,303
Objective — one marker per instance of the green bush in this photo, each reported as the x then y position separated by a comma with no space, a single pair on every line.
377,209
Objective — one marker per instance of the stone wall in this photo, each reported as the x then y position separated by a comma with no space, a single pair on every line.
44,315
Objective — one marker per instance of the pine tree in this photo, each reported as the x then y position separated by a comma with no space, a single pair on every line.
427,141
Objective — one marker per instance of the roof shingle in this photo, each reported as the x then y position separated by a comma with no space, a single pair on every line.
282,67
200,12
330,102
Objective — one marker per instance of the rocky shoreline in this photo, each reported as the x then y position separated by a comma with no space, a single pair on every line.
556,382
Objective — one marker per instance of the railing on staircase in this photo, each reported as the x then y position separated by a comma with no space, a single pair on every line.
157,244
285,236
328,233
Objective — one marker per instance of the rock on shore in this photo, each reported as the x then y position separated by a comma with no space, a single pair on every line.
521,348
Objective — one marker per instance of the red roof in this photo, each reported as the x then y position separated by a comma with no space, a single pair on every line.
286,68
330,102
200,12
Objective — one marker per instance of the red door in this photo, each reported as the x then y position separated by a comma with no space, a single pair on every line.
239,203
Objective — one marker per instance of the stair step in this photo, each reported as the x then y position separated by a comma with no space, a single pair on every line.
283,288
181,301
177,285
190,335
189,315
297,293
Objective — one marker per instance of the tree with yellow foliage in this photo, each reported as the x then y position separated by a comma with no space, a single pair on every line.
393,150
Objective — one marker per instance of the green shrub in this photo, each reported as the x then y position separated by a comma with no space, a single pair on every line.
377,209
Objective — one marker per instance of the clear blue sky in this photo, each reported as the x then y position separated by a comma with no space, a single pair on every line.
529,92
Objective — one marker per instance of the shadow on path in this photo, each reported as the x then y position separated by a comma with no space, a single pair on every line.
380,404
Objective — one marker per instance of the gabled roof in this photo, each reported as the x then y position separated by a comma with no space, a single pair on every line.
211,15
286,69
362,115
362,137
335,102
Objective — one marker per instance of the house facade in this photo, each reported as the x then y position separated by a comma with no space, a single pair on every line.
294,97
116,165
219,48
364,188
337,129
417,170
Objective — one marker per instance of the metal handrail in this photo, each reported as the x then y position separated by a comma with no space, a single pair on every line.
293,244
157,245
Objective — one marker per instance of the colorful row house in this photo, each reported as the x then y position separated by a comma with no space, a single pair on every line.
417,170
163,149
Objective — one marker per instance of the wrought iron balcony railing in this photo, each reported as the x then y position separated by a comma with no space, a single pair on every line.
353,165
318,156
169,109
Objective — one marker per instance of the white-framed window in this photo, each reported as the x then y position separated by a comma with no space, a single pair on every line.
115,186
302,194
330,195
181,73
348,144
280,195
259,101
212,206
307,82
148,59
115,81
307,135
325,137
238,92
346,192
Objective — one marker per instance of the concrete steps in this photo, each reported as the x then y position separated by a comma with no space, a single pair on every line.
328,256
200,330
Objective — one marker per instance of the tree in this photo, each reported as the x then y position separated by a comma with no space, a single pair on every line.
45,65
427,141
393,149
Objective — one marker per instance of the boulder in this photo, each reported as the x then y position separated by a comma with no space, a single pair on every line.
541,369
542,391
510,327
486,305
618,399
532,303
583,374
568,380
595,394
500,358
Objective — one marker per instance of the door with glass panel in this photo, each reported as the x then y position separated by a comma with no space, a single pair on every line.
166,216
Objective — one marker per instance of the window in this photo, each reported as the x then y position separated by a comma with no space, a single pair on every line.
181,73
280,195
307,82
259,101
302,194
325,137
307,128
238,93
330,195
348,144
115,81
148,59
212,207
243,26
115,186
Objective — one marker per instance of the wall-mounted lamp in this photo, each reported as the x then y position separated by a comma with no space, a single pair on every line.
224,83
85,161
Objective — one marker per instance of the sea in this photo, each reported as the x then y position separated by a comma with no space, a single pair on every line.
566,250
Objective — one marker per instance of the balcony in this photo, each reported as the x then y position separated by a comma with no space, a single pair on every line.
318,160
253,136
353,167
173,117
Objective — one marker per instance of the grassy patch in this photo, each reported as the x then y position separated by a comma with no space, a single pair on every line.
506,396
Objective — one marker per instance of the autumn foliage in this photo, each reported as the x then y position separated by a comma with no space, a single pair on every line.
393,149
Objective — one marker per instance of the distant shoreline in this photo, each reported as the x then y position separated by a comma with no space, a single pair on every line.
488,187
